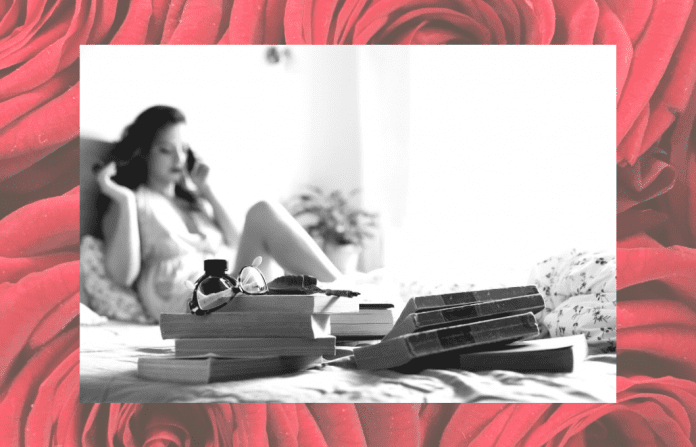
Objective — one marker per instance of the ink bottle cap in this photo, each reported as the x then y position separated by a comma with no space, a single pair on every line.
215,266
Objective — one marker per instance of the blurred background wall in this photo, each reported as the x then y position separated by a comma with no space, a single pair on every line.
476,159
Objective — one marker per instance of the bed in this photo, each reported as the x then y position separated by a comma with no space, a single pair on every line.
109,351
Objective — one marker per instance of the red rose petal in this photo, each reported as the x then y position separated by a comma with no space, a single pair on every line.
176,7
673,266
631,147
390,424
31,299
34,19
432,32
199,23
507,12
134,29
20,143
633,14
468,421
650,59
103,21
250,425
523,419
348,15
46,225
14,269
659,312
376,18
283,427
675,88
434,418
638,221
610,31
339,423
52,59
648,179
96,425
55,321
56,168
68,426
224,424
539,21
672,344
473,19
246,23
683,146
44,36
576,22
10,17
18,106
52,395
252,24
16,402
156,23
310,435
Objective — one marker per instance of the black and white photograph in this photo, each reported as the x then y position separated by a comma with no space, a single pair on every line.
347,224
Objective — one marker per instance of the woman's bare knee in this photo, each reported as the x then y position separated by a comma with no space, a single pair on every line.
264,210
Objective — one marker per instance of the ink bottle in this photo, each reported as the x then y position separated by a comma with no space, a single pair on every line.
212,290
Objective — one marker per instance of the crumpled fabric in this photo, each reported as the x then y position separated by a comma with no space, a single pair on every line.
579,290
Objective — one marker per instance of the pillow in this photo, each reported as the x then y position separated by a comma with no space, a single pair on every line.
105,296
579,290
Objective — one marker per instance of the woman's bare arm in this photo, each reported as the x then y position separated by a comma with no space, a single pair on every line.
222,219
199,176
120,227
122,242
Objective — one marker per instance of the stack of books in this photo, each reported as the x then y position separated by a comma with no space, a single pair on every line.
252,336
470,330
372,321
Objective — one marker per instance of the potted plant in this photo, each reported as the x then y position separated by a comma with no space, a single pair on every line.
335,222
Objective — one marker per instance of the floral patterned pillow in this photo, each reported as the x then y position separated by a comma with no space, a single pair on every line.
579,290
105,296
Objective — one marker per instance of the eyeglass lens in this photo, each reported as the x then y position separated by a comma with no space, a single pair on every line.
251,281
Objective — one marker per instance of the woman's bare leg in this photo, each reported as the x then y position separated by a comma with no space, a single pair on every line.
270,230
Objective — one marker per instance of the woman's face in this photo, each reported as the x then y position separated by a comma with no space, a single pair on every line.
167,161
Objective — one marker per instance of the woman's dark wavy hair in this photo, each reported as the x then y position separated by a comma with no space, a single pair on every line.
132,152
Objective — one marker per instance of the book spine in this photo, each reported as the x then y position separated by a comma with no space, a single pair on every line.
244,325
456,337
460,298
532,303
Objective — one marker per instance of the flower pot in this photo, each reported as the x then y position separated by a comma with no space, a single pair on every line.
344,257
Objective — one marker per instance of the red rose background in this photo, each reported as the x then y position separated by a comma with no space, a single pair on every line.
656,220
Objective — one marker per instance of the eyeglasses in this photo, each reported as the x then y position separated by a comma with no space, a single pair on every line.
221,288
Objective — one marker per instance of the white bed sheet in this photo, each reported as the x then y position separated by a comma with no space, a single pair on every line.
108,364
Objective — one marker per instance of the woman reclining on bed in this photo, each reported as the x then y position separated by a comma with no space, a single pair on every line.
158,231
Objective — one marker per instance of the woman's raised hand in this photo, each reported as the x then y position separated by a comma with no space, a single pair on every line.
199,175
110,188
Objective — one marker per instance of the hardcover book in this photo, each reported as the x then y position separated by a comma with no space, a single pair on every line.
466,313
216,369
431,302
245,325
403,349
314,303
548,355
255,347
369,323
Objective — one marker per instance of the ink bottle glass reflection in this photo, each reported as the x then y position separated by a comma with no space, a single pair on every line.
212,290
